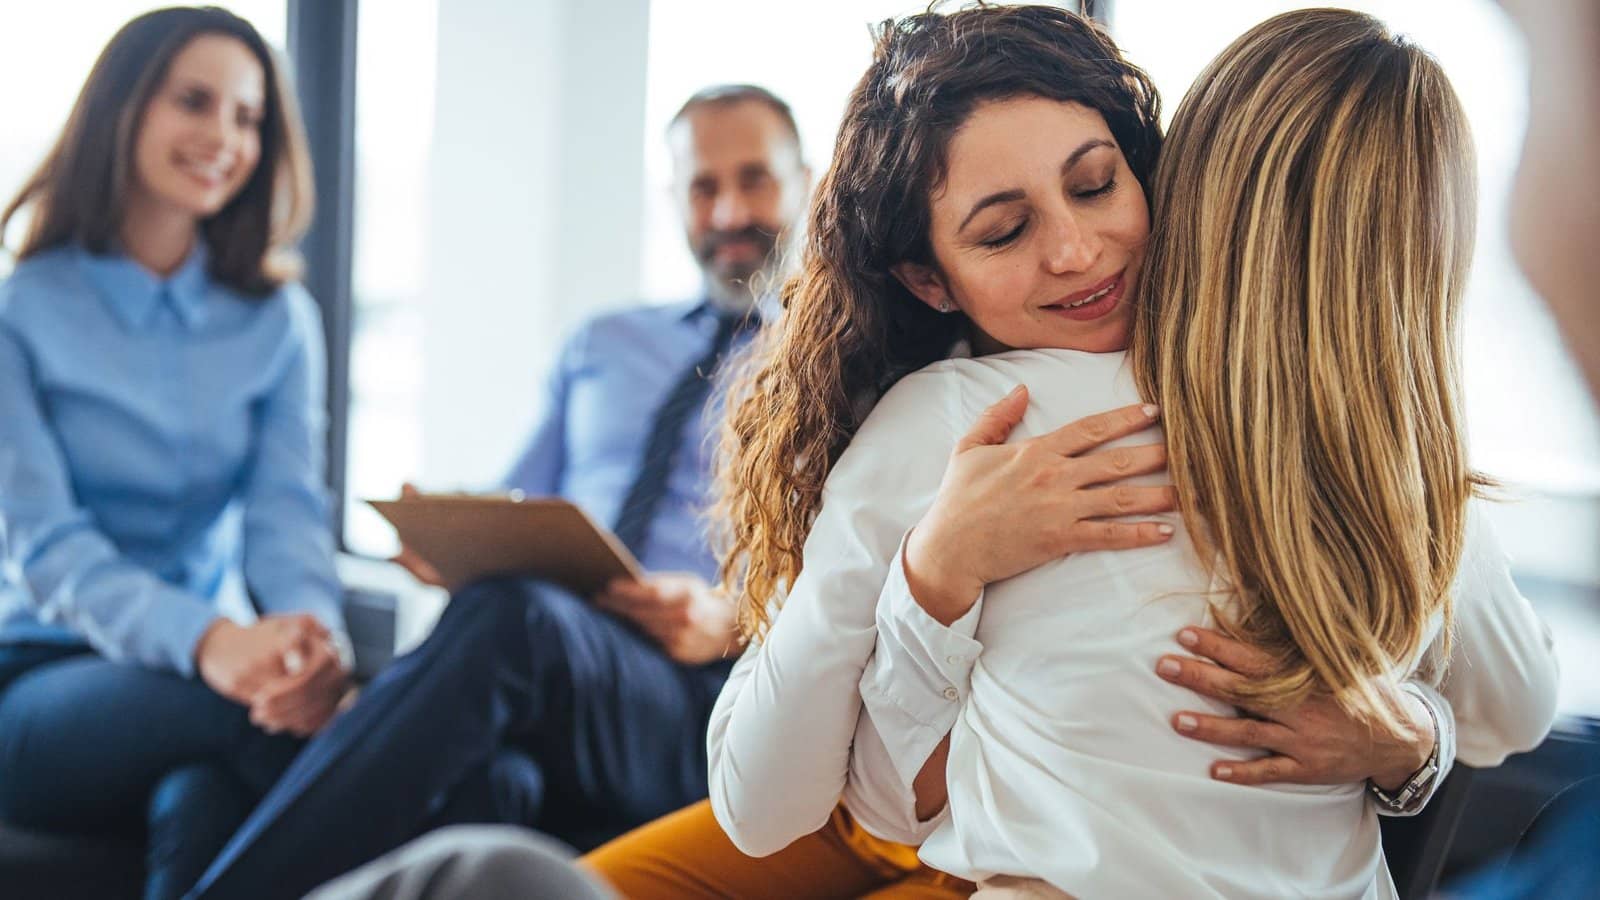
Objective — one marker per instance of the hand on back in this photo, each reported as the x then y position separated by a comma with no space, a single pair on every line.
1003,509
1313,742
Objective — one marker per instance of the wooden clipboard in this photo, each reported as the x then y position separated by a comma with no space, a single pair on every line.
468,538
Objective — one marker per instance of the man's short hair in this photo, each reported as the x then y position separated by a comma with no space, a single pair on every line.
725,95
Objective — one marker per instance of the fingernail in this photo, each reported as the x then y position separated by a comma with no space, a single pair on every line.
1152,410
1167,530
1188,638
1187,723
1169,667
1224,771
1015,391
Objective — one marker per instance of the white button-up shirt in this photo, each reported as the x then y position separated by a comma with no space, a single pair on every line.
1063,764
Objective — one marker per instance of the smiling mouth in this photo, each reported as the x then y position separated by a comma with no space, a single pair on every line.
1089,299
1094,304
210,173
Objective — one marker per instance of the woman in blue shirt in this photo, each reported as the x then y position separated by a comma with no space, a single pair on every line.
161,435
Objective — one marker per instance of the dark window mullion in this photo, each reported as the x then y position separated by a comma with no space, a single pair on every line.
322,47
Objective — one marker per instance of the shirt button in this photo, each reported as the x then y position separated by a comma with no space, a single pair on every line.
951,693
953,660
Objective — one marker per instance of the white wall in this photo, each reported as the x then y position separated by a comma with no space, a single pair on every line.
534,183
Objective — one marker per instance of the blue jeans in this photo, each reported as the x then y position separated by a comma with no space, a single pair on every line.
88,746
526,705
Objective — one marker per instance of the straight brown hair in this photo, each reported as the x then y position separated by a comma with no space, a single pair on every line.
80,192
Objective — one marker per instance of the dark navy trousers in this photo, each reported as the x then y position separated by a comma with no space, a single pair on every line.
526,704
88,746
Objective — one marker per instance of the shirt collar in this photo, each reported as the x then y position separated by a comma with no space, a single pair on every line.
134,293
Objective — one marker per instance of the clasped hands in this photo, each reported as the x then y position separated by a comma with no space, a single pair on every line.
285,668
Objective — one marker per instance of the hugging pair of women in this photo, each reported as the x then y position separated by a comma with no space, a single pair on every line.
966,636
963,637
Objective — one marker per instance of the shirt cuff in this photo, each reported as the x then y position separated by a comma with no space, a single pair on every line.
185,625
919,673
1445,719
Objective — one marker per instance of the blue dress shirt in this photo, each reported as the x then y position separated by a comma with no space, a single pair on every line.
161,454
613,374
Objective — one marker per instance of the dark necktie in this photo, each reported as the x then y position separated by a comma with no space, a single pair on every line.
686,398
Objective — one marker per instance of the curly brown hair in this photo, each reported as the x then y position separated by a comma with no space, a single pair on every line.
849,328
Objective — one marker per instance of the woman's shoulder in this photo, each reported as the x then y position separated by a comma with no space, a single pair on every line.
920,402
40,285
287,310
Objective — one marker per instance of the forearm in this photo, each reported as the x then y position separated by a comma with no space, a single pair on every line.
936,579
912,692
1502,678
122,610
779,741
1440,738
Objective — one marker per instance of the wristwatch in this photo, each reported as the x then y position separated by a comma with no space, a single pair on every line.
1405,797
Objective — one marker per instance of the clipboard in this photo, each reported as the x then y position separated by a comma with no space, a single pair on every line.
468,538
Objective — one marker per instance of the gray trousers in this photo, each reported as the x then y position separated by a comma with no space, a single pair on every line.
481,862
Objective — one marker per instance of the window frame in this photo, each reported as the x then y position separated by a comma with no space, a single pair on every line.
322,49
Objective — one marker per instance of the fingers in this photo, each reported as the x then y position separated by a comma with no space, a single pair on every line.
1234,731
420,569
314,658
1093,535
1205,678
1235,655
995,423
628,590
274,645
300,703
1088,433
294,628
319,701
1270,770
1115,465
1128,500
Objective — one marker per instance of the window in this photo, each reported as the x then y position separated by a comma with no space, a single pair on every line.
1530,420
824,48
50,47
395,84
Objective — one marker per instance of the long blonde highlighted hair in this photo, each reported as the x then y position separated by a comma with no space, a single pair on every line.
1314,219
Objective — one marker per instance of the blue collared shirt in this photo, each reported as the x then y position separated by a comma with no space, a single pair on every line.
600,400
161,454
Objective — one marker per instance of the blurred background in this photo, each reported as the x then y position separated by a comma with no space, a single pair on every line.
493,171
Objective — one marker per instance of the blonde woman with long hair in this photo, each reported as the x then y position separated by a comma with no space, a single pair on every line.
1296,330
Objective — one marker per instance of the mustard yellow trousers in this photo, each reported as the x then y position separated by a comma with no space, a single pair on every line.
686,856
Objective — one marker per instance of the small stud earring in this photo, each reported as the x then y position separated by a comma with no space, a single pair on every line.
946,306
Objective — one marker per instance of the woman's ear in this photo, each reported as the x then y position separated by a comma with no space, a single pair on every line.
925,283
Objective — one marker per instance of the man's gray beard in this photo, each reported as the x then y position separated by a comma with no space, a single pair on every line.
739,296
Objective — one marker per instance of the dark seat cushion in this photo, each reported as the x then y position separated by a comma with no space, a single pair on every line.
38,866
